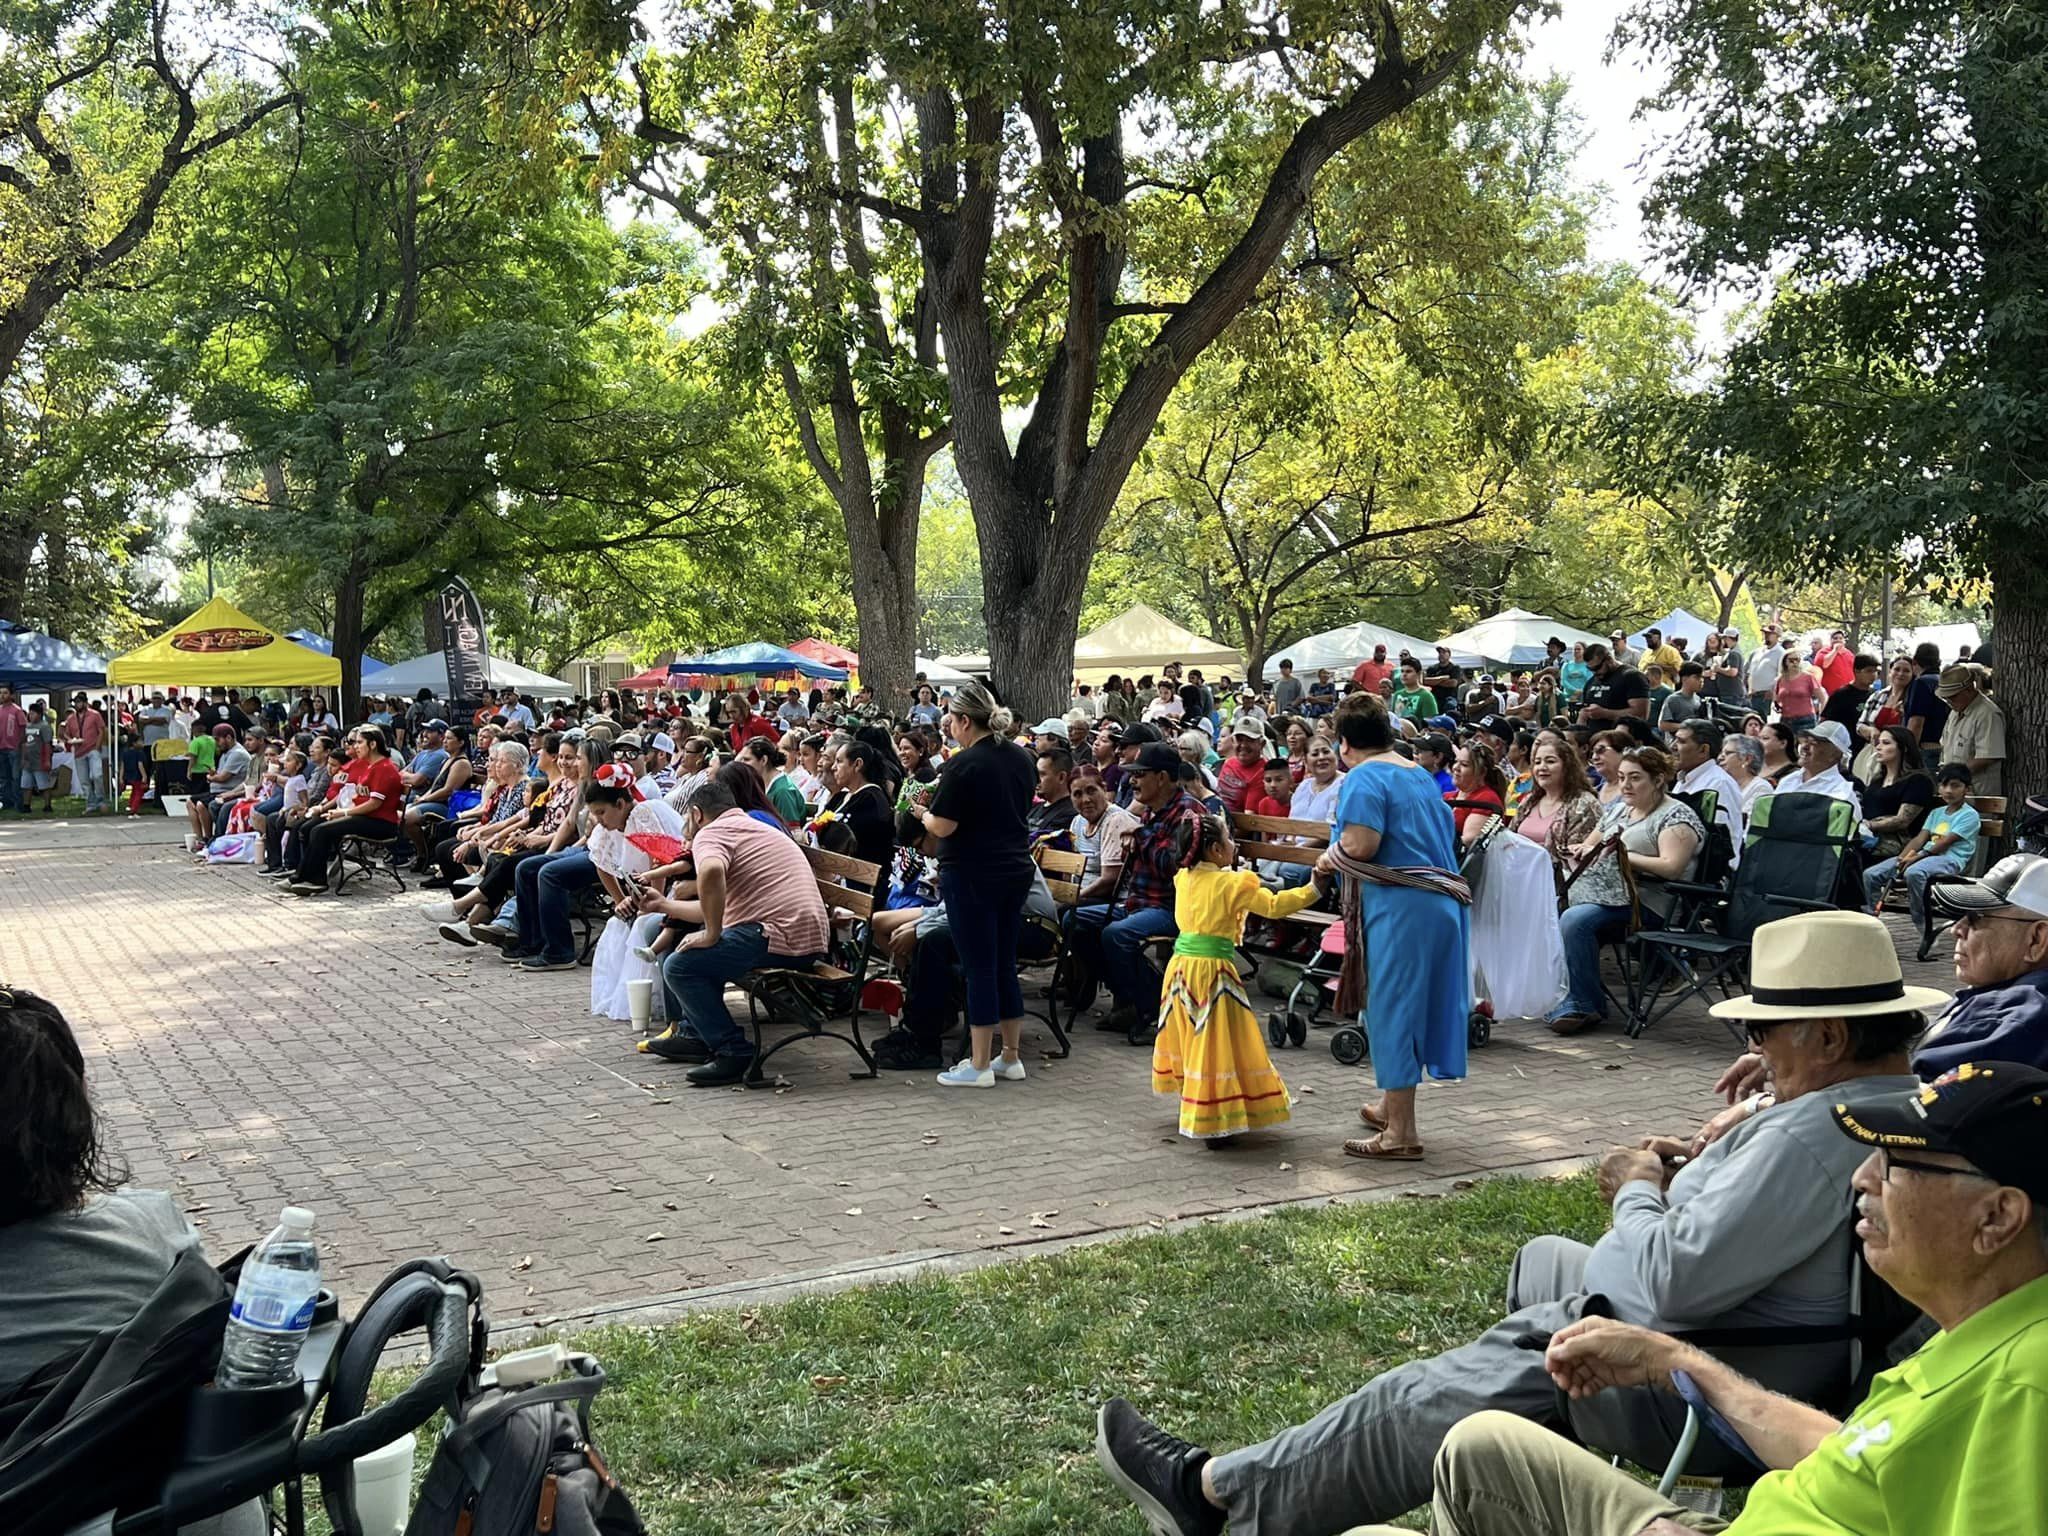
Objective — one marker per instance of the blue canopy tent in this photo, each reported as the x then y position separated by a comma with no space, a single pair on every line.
754,659
33,663
325,647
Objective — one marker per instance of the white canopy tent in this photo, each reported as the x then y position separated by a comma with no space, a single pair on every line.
1143,639
1516,637
1343,649
1679,621
939,675
431,671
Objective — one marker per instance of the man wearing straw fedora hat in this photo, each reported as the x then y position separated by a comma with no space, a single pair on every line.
1953,1195
1752,1233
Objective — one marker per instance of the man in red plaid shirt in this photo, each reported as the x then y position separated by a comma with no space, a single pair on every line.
1108,939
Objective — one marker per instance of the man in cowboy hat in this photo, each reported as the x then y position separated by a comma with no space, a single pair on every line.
1953,1196
1751,1235
1975,733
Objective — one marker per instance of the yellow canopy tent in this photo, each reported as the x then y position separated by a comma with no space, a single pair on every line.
222,645
1143,639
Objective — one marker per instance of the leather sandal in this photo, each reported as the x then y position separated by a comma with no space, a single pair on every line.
1376,1147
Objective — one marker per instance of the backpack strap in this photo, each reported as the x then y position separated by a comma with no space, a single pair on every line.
461,1441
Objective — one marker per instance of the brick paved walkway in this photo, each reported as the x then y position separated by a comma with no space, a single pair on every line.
249,1048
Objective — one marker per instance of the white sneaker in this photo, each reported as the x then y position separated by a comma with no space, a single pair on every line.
963,1075
644,952
1008,1071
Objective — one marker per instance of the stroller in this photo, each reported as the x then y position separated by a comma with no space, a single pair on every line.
130,1436
1311,1001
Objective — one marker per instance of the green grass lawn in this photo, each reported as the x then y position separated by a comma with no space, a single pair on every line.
967,1403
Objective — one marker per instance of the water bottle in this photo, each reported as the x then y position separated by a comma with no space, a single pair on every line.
273,1306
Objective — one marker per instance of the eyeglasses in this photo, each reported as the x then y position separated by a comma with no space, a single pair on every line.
1971,919
1754,1030
1887,1160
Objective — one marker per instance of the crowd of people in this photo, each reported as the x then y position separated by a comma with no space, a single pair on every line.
608,830
1871,1124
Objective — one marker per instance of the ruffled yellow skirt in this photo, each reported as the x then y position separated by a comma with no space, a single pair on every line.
1211,1054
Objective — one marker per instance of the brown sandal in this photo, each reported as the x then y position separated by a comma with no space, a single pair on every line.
1371,1117
1376,1147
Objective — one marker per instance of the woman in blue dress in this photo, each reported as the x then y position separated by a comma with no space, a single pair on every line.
1390,813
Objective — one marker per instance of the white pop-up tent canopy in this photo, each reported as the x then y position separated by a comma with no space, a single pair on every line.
1343,649
431,671
1516,637
1679,621
1143,639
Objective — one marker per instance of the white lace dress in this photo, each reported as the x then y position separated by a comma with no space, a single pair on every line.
613,963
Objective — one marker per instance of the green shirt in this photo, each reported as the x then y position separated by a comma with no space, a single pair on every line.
203,748
787,799
1947,1444
1415,703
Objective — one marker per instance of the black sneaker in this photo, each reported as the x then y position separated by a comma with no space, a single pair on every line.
901,1051
719,1071
673,1045
1160,1474
1117,1021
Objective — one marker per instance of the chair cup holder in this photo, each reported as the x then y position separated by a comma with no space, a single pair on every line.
228,1419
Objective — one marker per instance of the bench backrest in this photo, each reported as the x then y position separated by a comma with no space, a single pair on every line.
845,884
1256,838
1990,811
1064,873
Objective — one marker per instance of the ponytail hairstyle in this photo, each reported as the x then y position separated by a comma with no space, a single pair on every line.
1210,832
1487,766
978,704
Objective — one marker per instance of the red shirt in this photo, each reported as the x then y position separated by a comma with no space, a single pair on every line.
757,726
377,775
1486,803
1370,674
1237,782
1262,804
1837,671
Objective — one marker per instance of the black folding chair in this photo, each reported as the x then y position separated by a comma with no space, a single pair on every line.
1791,862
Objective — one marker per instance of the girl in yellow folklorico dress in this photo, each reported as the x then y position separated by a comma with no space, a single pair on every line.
1210,1053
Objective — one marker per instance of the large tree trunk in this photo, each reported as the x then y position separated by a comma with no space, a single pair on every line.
2019,606
17,543
348,640
881,538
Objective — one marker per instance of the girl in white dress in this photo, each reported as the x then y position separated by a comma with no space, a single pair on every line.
651,835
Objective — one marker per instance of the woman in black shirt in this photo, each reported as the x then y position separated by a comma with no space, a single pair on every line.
980,810
1899,793
862,804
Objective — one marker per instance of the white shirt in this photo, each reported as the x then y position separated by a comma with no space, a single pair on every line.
1313,802
1103,848
1765,666
687,784
1733,813
1831,784
518,715
1164,709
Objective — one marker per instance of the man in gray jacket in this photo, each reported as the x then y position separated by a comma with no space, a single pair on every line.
1757,1236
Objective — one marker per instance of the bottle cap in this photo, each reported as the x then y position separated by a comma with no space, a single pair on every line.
296,1216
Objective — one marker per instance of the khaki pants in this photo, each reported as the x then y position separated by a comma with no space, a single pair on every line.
1500,1475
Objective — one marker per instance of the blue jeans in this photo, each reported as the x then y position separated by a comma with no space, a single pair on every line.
1582,928
693,985
985,914
10,779
1919,875
1113,942
545,886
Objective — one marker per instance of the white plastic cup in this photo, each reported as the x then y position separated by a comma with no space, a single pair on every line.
640,1000
384,1488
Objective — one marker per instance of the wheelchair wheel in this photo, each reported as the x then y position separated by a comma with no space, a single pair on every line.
1479,1028
1297,1027
1276,1029
1347,1044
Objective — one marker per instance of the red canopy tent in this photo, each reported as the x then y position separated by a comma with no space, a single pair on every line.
653,677
831,655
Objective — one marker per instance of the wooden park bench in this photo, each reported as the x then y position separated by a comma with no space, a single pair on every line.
827,992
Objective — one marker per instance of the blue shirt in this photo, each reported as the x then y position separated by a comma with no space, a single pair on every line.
1407,810
1962,824
429,763
2007,1021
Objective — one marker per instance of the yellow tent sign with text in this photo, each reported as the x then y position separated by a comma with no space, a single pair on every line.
222,646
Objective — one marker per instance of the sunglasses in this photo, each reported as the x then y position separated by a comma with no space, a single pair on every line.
1972,919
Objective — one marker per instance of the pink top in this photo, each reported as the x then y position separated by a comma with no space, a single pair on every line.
13,721
1798,695
767,881
1534,825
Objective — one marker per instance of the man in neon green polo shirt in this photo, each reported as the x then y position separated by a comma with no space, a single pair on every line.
1954,1200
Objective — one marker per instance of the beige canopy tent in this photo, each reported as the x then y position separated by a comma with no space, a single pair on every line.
1144,640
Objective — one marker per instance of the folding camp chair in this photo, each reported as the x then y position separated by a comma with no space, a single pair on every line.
1791,862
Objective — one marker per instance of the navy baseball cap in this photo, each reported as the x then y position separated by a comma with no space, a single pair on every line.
1994,1113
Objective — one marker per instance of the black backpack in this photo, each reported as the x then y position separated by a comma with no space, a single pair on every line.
512,1461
